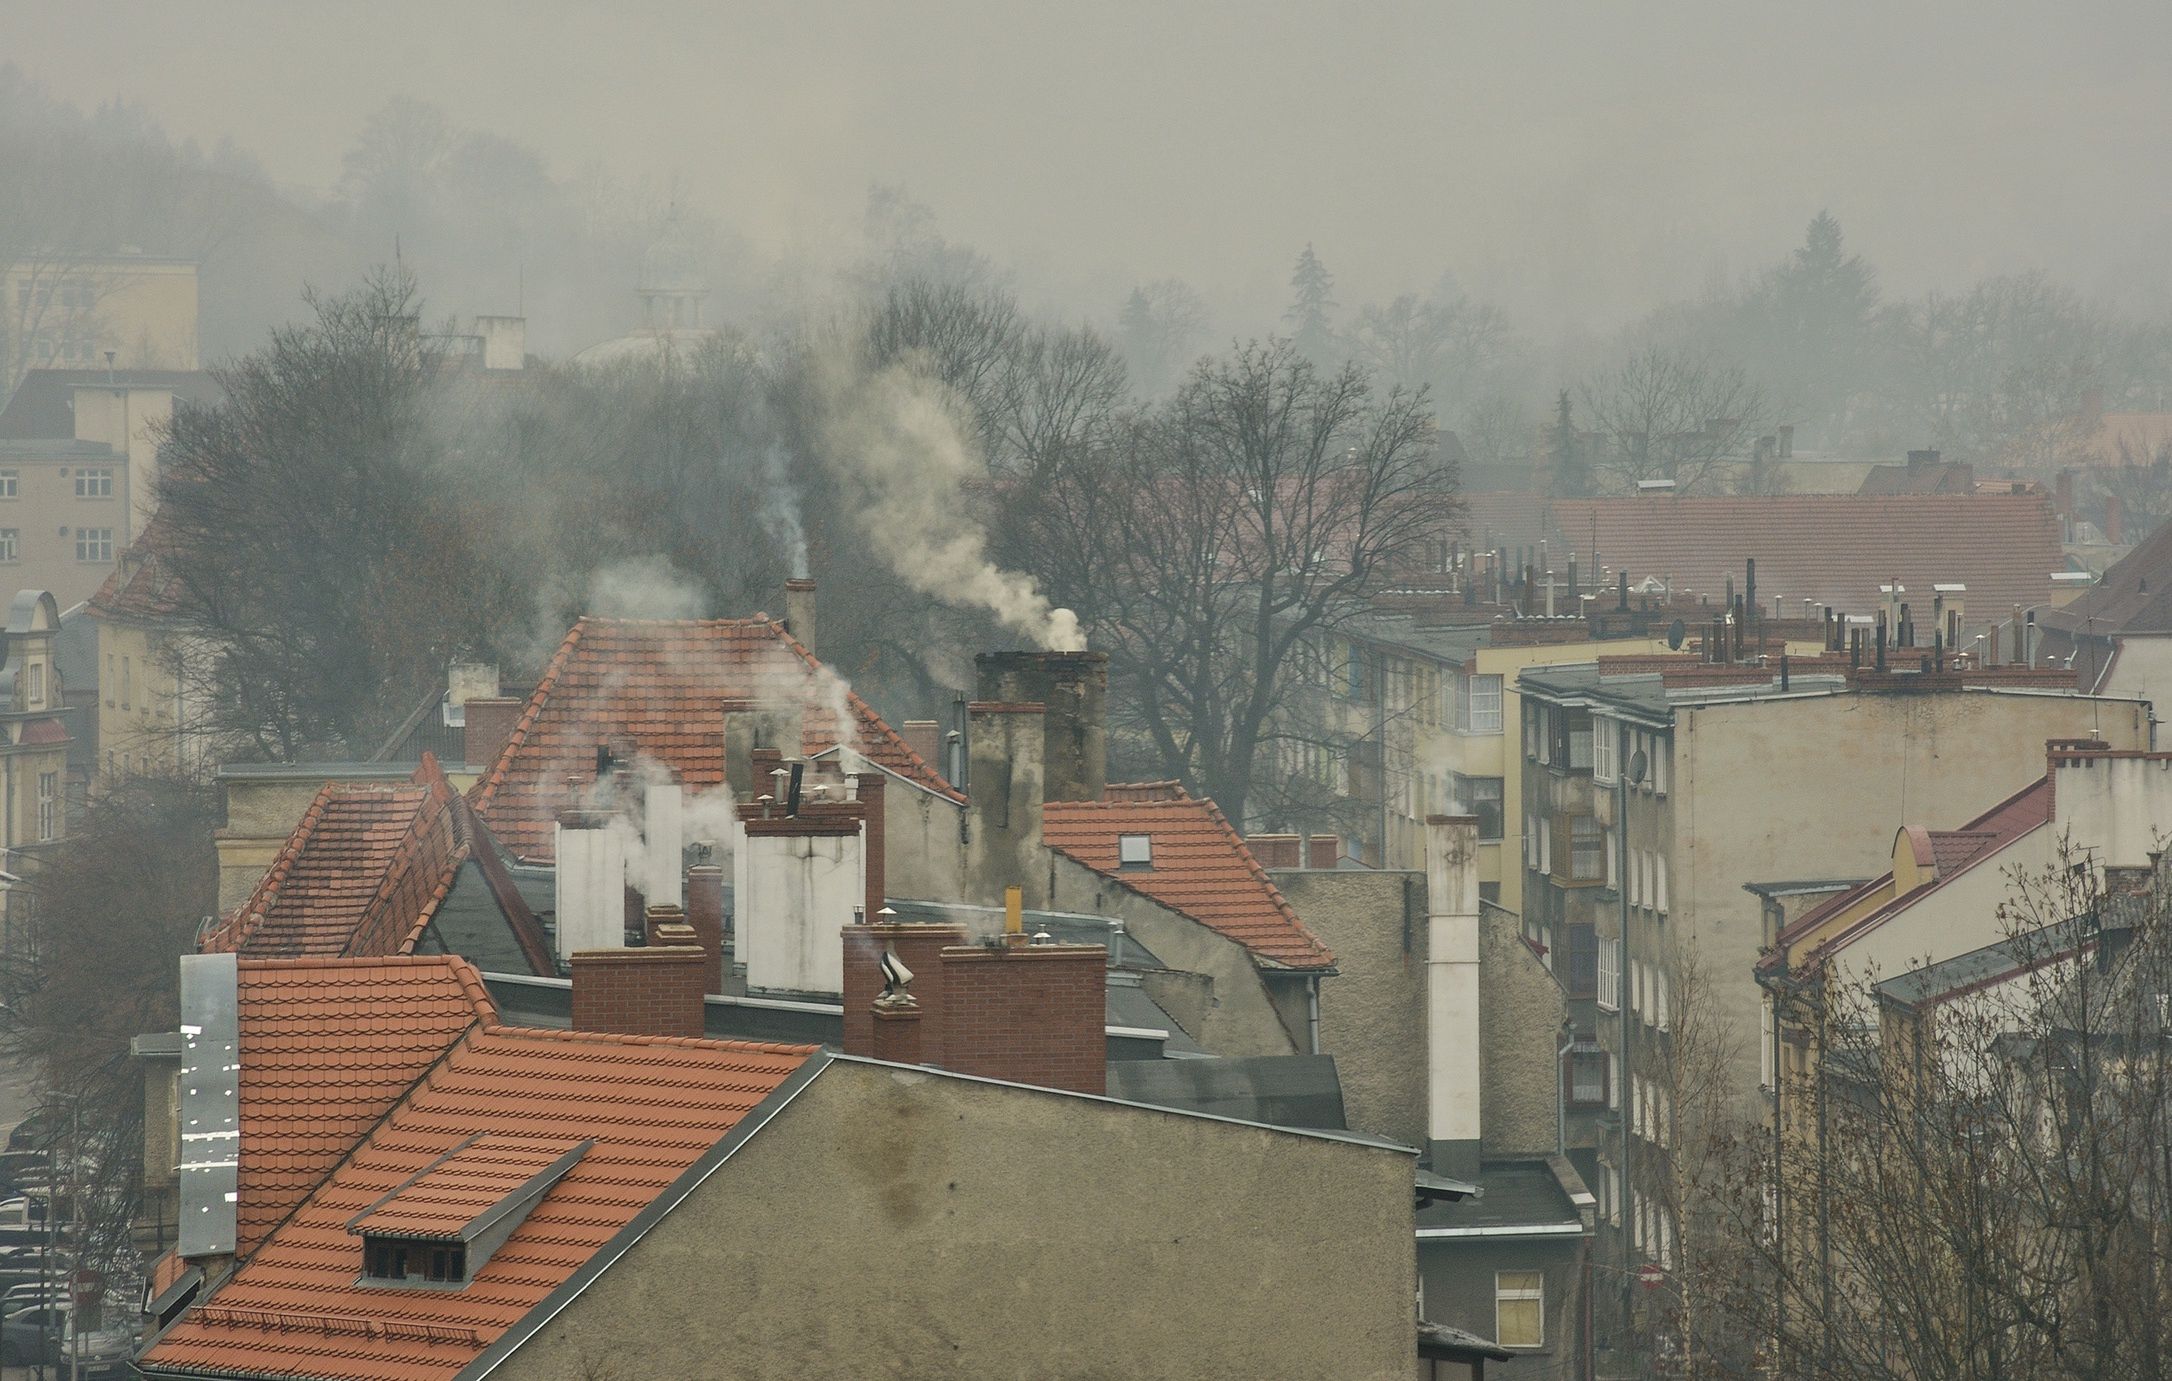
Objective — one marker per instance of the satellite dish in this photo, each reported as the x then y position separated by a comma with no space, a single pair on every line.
1677,632
1637,765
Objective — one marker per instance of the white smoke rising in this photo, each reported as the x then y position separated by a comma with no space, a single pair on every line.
895,434
706,817
780,509
644,587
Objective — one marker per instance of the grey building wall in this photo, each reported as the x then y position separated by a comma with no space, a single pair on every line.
897,1223
1372,1013
1238,1015
1520,1010
1458,1277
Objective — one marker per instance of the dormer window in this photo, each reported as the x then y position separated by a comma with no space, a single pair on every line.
401,1260
1134,851
439,1228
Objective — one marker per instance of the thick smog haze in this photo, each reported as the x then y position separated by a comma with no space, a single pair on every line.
1578,163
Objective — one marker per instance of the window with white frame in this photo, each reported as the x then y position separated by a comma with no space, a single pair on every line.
8,481
1659,996
48,806
1547,717
1636,1105
1662,1115
1609,990
1767,1073
1636,877
94,544
1485,705
1662,750
1546,843
1659,881
1530,840
1639,1215
1604,735
1519,1308
10,544
1666,1240
1610,1176
1613,862
1636,986
1530,730
94,482
37,685
1580,737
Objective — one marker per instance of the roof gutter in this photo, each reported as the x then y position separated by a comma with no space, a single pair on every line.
1575,1229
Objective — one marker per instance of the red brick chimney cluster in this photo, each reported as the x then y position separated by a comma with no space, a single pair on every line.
705,913
1032,1014
655,991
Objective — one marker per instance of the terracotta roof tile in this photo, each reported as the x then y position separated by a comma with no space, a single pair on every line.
327,1046
142,587
664,684
362,874
1201,867
464,1184
652,1106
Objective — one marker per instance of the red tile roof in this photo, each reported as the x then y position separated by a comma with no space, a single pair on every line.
464,1184
664,684
142,587
362,874
1836,549
2135,595
1201,867
652,1105
327,1047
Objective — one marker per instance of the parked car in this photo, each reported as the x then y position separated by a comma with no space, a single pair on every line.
99,1352
24,1332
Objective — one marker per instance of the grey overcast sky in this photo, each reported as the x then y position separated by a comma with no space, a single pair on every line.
1578,158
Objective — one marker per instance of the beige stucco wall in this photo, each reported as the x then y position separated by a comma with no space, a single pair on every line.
130,420
1520,1011
144,310
897,1223
923,847
1817,787
2143,670
1240,1016
1372,1013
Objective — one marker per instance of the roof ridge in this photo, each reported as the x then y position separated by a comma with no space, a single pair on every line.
238,926
562,1035
486,789
436,791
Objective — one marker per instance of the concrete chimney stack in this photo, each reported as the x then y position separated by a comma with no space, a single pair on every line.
663,814
1452,1035
1004,815
800,877
590,882
1073,689
799,611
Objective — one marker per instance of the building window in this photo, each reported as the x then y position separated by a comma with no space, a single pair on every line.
1485,705
1659,997
1587,1074
48,806
1608,992
1659,882
94,482
127,683
10,544
1662,753
1636,986
1587,849
403,1260
36,700
1519,1308
8,479
94,544
1580,971
1546,844
1531,735
1610,1178
1482,797
1767,1072
1605,733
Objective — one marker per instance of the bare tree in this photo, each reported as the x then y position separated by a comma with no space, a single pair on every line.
1974,1181
1216,540
1673,416
1159,330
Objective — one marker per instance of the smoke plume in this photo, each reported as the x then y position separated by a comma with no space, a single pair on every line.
896,439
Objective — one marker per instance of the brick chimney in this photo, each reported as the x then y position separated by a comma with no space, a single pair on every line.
639,992
1323,851
490,721
705,913
799,612
1033,1014
1004,791
2115,520
920,948
589,882
1030,1013
1073,688
869,790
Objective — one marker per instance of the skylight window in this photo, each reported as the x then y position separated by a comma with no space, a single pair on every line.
1135,851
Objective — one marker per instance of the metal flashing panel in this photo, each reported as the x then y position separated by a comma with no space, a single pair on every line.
210,1104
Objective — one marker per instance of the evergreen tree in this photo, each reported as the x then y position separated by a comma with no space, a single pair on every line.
1312,309
1569,469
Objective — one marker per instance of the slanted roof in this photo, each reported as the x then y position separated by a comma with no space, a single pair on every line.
663,684
1200,869
2134,595
142,587
652,1106
1945,854
43,405
1938,477
362,874
1991,965
457,1196
1836,549
327,1046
